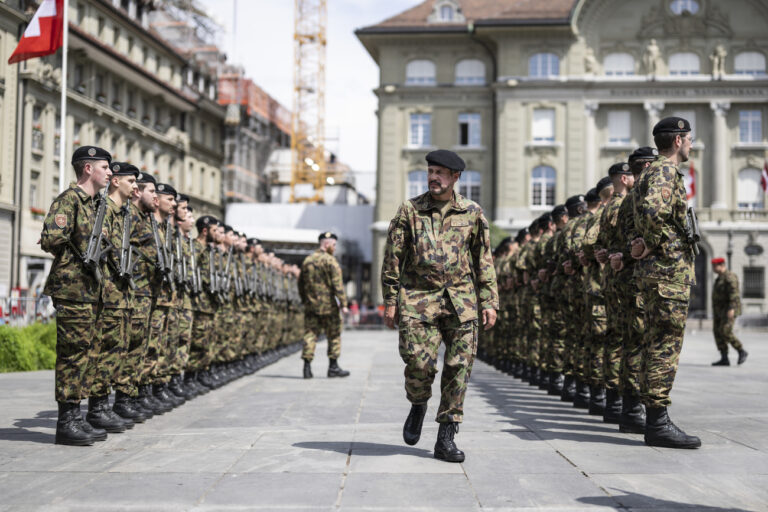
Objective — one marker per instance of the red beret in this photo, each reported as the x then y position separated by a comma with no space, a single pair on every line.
718,261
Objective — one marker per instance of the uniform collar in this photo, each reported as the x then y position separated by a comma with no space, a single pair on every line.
81,194
426,202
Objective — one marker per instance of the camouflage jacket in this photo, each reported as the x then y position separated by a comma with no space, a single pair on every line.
116,293
421,266
69,223
203,301
320,284
725,294
660,216
185,293
144,273
609,223
593,270
538,261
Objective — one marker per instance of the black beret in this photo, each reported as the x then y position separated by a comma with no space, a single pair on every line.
90,153
206,221
672,125
521,235
558,211
164,188
604,183
545,219
326,235
145,177
574,201
124,169
445,158
182,198
253,241
591,196
619,168
644,153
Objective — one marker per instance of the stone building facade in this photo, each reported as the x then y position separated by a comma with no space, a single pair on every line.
540,98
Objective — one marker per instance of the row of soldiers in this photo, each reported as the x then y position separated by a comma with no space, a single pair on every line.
146,309
573,288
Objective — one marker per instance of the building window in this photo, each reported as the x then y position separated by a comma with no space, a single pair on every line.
619,64
619,127
100,29
79,78
421,130
446,13
682,6
33,202
543,65
754,283
417,183
98,82
213,184
469,185
690,116
469,130
543,129
543,187
420,72
748,190
116,99
750,126
115,37
470,72
684,64
749,63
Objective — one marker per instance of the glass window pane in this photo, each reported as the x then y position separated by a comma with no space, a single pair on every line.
417,183
619,127
749,193
470,72
749,63
543,186
750,126
683,64
420,72
543,65
619,64
543,129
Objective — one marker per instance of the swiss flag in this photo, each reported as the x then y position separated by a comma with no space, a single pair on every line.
690,183
43,34
764,177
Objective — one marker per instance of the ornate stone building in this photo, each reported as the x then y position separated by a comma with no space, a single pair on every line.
540,98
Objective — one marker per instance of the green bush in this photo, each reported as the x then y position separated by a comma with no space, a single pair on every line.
27,348
497,234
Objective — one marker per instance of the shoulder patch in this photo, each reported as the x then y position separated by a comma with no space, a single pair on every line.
666,193
60,220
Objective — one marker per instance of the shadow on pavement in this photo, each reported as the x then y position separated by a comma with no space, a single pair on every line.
632,500
45,419
298,377
369,449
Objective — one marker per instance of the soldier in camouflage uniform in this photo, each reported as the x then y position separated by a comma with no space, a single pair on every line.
665,270
76,291
726,306
436,275
551,278
541,290
322,292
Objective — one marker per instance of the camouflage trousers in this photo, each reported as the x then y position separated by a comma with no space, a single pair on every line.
723,330
227,337
575,315
180,356
615,311
77,329
556,332
632,332
163,336
109,351
666,311
135,362
594,341
534,332
419,345
201,348
316,325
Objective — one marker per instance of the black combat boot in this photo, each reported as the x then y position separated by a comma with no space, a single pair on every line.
176,386
596,400
525,376
335,371
544,380
147,400
612,413
413,423
632,419
742,355
445,448
68,427
660,431
136,404
535,375
724,359
204,378
581,397
569,389
161,393
124,408
100,415
556,384
307,369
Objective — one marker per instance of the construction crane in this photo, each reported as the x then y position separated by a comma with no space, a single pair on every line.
308,161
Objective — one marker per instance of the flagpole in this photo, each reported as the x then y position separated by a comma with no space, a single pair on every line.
63,109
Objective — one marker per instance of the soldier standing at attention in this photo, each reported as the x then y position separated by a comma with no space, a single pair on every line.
76,291
438,251
665,271
727,306
322,292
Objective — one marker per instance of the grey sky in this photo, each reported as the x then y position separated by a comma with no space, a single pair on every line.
265,48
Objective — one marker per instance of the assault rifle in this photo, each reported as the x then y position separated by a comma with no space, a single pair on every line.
170,256
226,284
213,276
182,275
95,250
162,263
692,229
127,259
196,283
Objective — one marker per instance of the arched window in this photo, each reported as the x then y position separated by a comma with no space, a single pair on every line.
684,64
543,65
749,192
417,183
749,63
542,187
680,6
470,72
420,72
619,64
469,185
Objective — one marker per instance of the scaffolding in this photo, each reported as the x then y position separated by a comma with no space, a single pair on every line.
308,158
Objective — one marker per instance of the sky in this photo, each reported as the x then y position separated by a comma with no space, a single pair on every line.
264,47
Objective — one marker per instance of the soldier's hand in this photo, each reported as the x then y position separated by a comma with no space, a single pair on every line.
602,256
543,274
568,268
617,261
639,250
345,310
731,314
489,318
390,316
583,259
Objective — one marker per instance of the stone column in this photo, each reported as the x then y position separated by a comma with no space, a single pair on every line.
720,154
590,149
653,108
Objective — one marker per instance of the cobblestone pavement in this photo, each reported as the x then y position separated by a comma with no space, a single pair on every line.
273,441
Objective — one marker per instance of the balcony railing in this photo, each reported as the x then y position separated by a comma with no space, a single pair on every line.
707,214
